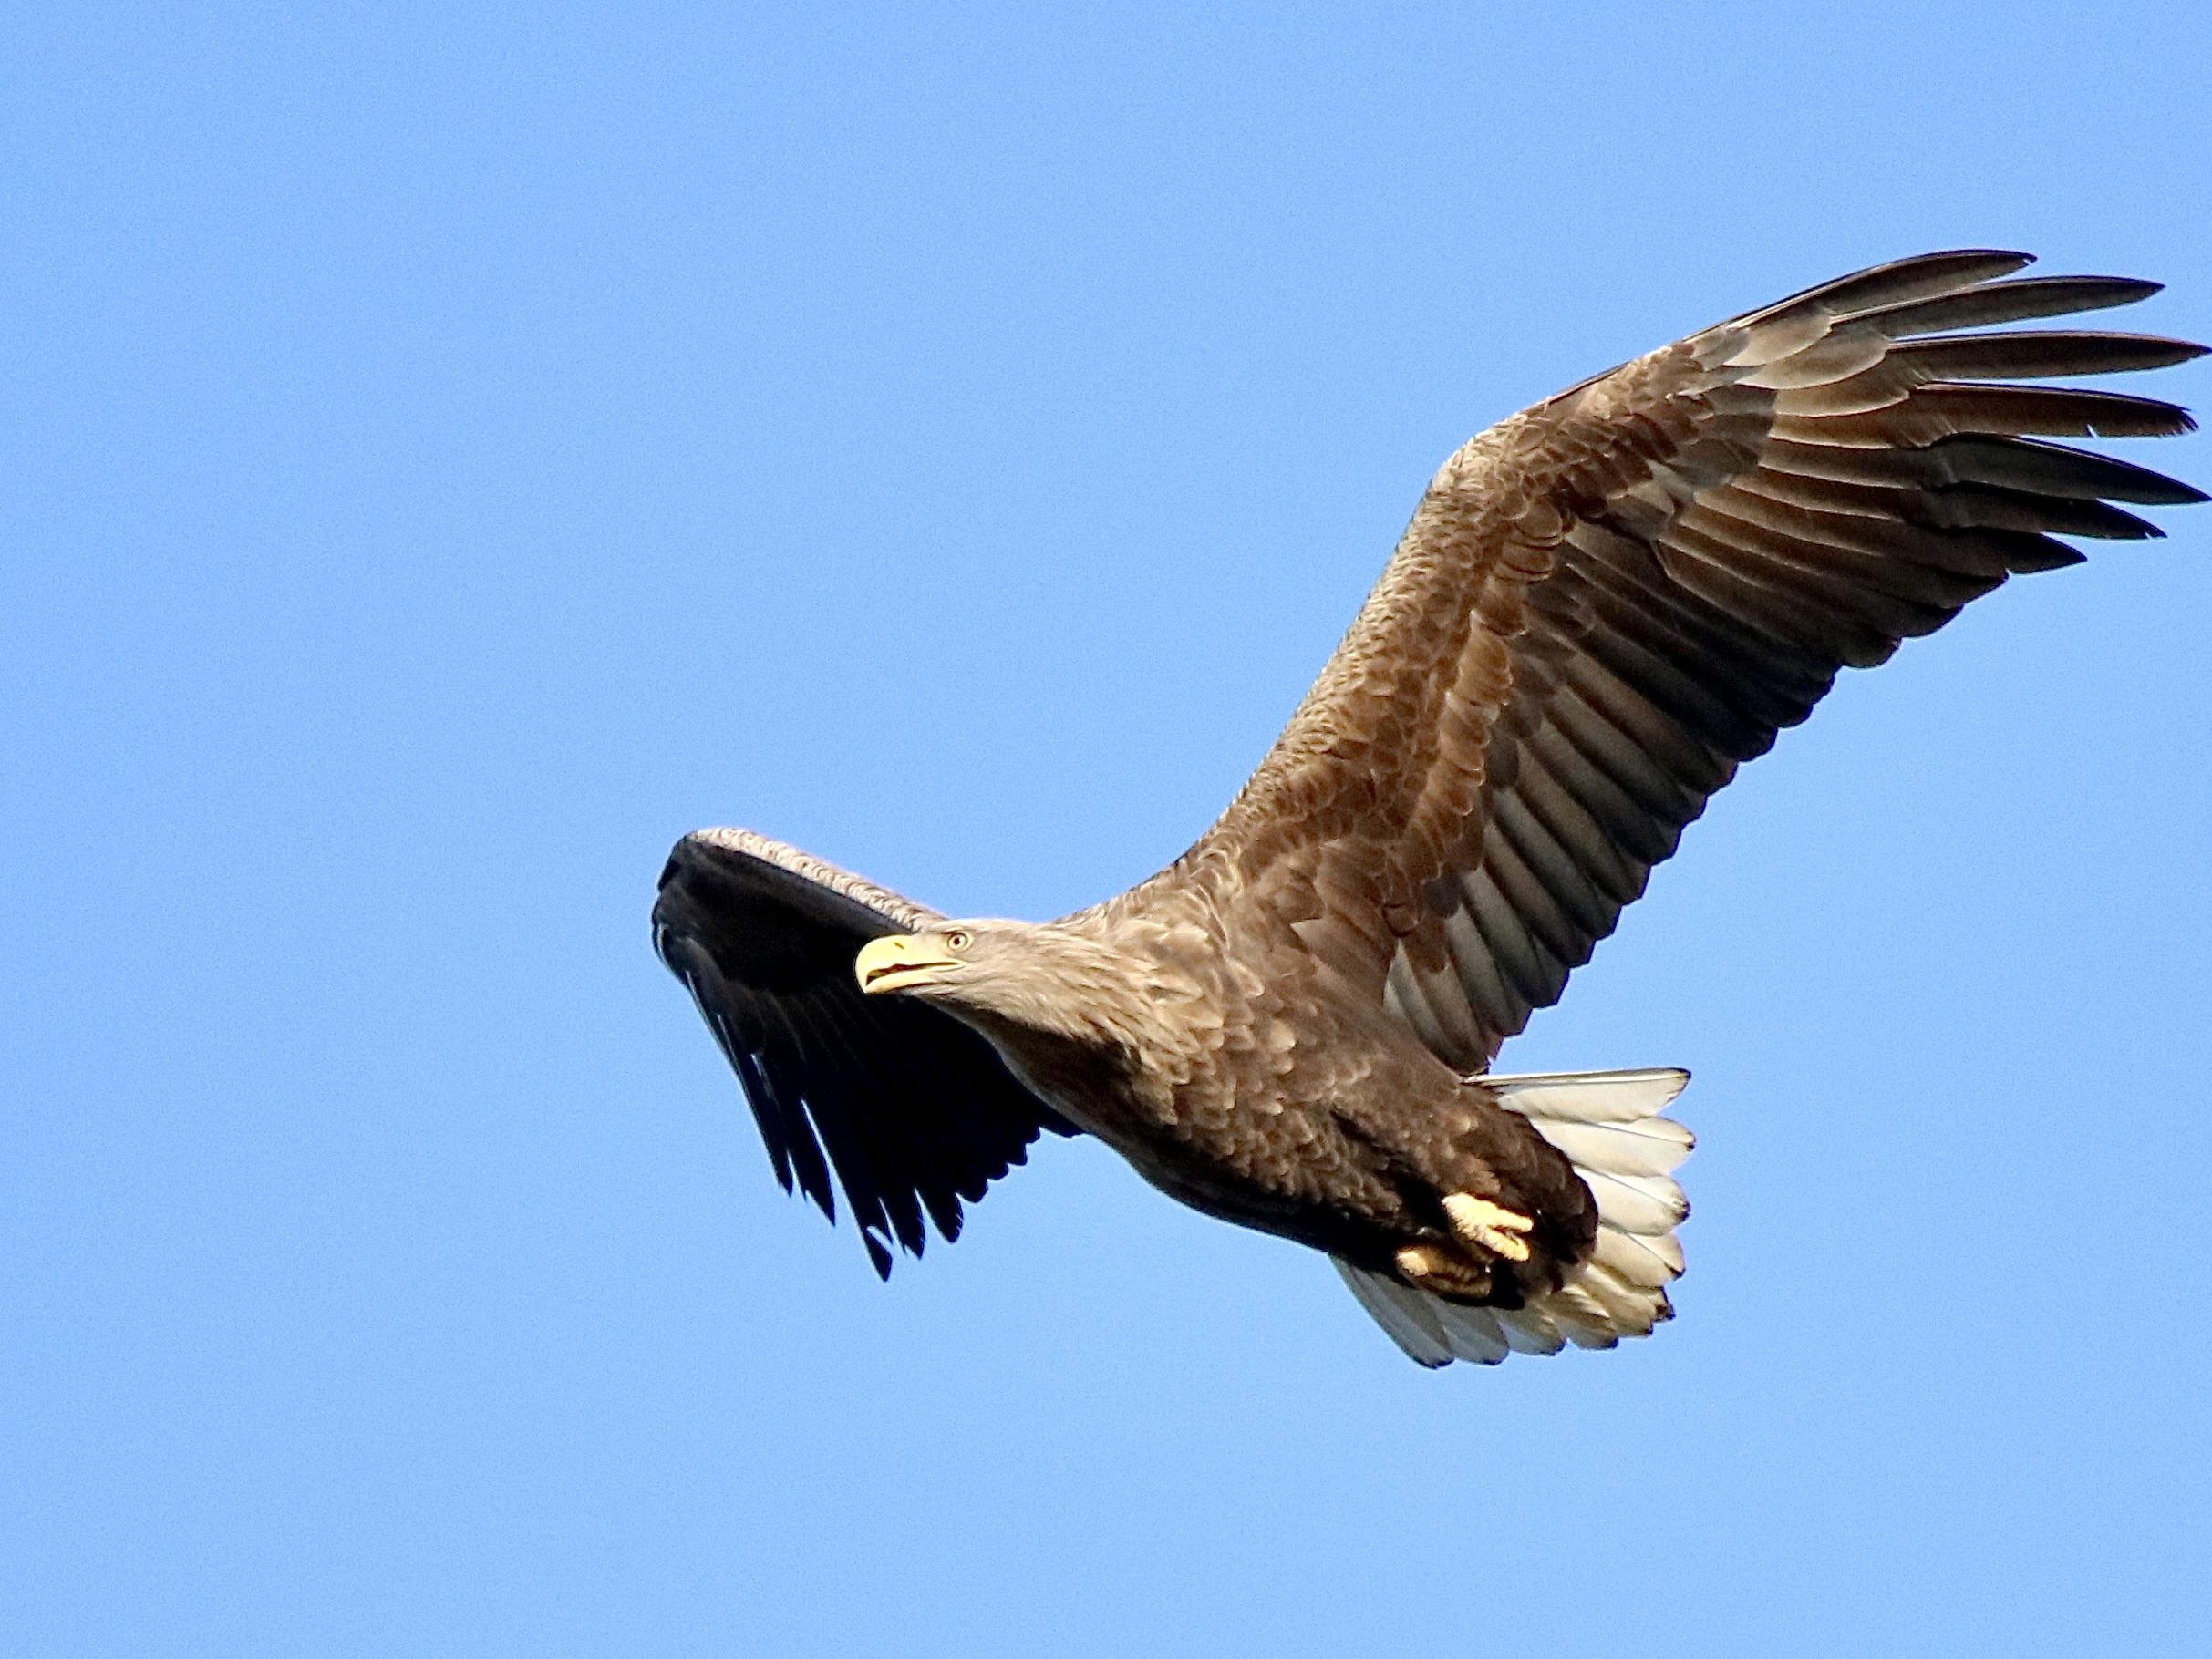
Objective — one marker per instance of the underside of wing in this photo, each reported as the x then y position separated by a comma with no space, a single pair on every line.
911,1112
1605,604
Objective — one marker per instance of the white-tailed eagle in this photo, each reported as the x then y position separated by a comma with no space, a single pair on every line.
1603,606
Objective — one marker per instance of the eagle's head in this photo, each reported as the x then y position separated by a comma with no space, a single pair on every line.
1045,978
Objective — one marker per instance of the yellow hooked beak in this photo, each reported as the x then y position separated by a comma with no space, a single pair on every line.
900,962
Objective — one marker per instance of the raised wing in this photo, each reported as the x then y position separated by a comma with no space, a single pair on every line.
913,1110
1608,603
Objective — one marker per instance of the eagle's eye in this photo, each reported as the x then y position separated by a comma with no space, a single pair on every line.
958,939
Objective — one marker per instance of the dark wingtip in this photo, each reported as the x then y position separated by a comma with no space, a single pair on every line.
2140,288
2020,258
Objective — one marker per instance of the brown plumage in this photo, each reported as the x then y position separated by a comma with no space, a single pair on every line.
1602,607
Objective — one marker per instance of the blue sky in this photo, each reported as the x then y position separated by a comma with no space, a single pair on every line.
455,450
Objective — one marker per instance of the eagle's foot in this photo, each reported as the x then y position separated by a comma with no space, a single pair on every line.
1444,1269
1488,1227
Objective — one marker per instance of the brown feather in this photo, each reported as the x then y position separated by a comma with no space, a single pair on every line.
2015,302
2037,354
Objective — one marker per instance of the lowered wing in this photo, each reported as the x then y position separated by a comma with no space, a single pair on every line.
913,1111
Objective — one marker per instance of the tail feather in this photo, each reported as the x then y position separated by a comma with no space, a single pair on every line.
1412,1321
1621,1148
1531,1329
1607,1124
1476,1333
1649,1206
1640,1262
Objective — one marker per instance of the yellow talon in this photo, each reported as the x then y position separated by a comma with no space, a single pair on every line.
1420,1260
1487,1226
1445,1270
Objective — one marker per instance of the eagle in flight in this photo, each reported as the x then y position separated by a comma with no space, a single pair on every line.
1603,606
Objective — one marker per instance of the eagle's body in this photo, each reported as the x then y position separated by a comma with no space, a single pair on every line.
1602,606
1267,1100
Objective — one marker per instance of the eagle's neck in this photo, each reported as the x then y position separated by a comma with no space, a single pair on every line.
1096,1028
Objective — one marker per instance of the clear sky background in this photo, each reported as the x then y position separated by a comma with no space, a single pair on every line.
454,449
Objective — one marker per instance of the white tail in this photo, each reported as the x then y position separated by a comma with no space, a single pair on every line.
1607,1124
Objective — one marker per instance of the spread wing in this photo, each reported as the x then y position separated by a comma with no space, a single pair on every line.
913,1110
1607,604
